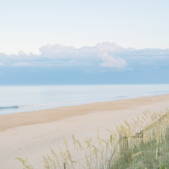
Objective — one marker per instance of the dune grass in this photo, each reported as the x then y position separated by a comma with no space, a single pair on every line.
150,155
140,144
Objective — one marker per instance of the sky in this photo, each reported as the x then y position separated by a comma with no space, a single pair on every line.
84,42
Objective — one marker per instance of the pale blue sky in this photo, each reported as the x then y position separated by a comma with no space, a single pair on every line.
28,25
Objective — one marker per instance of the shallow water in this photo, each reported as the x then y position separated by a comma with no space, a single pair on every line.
14,99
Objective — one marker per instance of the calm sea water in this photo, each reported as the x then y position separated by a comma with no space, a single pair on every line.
14,99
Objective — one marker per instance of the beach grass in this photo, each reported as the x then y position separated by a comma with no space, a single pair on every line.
140,144
149,155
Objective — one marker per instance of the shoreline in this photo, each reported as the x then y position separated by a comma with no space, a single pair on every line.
36,107
9,121
32,134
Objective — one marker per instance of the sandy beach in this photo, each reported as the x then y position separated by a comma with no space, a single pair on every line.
30,134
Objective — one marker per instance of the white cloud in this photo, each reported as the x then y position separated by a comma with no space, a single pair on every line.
21,53
106,46
109,61
102,55
72,52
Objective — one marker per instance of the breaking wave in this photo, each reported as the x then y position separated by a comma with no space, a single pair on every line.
9,107
40,105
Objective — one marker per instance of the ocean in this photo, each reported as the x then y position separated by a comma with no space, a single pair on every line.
15,99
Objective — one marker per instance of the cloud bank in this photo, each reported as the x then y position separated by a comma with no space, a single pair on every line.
104,55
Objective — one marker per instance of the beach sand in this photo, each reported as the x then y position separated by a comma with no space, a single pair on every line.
30,134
